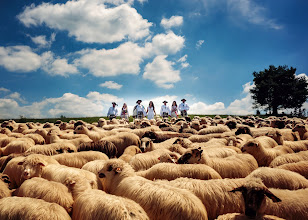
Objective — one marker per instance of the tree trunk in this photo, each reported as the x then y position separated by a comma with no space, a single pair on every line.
275,110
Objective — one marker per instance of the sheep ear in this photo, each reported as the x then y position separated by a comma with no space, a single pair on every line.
270,195
41,164
238,189
118,170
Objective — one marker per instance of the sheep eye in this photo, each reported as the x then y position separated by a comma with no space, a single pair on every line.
109,168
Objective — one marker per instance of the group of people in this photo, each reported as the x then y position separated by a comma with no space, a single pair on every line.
140,112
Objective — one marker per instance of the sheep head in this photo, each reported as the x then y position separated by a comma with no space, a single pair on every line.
146,144
243,130
32,166
250,147
191,156
254,193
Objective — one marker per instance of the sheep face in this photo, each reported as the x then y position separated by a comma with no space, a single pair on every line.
300,129
191,156
254,197
80,129
146,143
243,130
31,169
276,135
250,147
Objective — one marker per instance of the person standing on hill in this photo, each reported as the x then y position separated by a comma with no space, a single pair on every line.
151,110
113,111
183,107
165,110
139,111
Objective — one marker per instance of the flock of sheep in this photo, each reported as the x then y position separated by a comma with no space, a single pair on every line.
204,168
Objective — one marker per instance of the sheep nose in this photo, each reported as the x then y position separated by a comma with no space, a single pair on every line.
26,175
101,175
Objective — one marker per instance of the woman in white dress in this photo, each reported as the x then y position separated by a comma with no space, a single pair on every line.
174,110
151,110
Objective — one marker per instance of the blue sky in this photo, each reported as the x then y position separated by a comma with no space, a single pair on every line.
74,58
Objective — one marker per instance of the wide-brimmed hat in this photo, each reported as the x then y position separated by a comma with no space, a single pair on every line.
183,100
114,103
165,101
139,101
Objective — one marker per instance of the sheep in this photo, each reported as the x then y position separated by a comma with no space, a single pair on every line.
15,208
18,146
298,167
101,122
52,149
96,204
4,186
158,137
171,157
65,126
6,140
54,138
235,166
38,139
254,132
302,130
146,160
129,152
106,147
297,146
171,171
281,135
278,178
288,204
156,199
204,138
14,171
177,148
49,191
93,135
263,155
214,194
239,140
80,158
289,158
238,216
123,140
214,129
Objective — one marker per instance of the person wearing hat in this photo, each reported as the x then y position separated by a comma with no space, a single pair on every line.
165,110
113,111
183,107
139,111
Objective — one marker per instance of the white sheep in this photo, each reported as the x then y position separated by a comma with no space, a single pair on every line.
300,167
279,178
281,135
297,146
52,149
214,129
302,130
49,191
38,139
264,155
14,208
96,204
129,152
235,166
289,158
79,159
287,204
158,200
171,171
17,146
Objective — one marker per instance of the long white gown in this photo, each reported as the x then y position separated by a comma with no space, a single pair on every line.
150,113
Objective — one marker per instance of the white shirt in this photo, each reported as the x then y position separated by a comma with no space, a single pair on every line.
164,108
140,108
112,111
183,106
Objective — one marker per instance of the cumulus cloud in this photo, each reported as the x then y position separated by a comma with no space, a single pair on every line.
57,66
111,85
161,72
16,96
19,59
124,59
174,21
303,75
41,40
4,89
98,24
199,44
94,104
202,108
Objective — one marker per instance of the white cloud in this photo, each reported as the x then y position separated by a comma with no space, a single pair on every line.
169,43
19,59
124,59
41,40
161,72
303,75
16,96
58,66
4,89
199,44
202,108
183,62
174,21
252,12
247,87
111,85
94,104
89,21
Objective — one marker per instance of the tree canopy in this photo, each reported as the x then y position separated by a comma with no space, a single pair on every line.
279,88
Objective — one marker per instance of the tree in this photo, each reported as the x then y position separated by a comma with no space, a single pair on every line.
279,88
